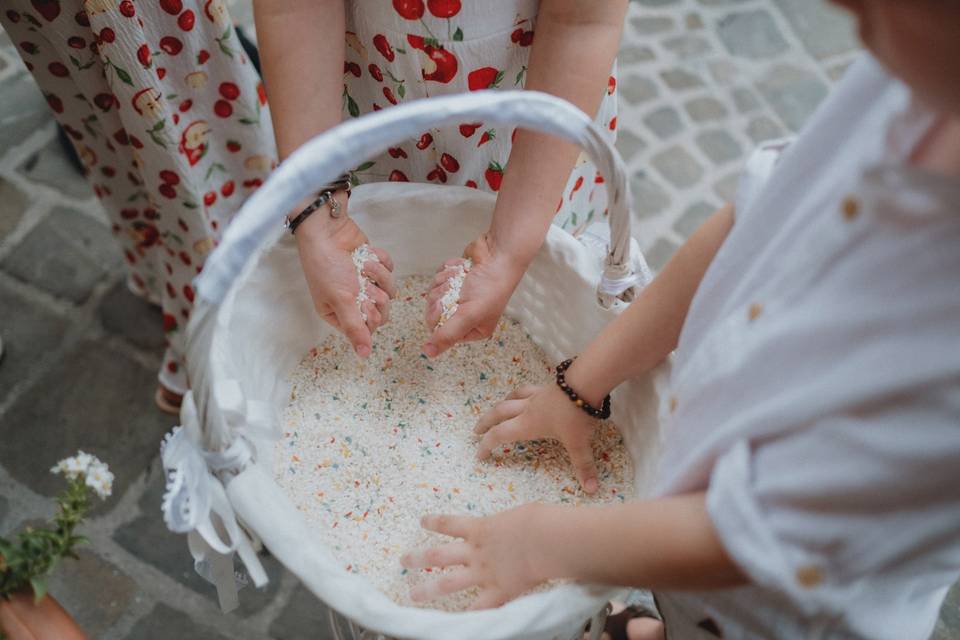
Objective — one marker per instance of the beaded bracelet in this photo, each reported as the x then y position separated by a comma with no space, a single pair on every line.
603,413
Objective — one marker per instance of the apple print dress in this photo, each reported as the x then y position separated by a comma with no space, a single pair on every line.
400,50
170,121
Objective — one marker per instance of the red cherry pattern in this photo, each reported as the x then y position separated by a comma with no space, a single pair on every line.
58,69
444,8
229,90
409,9
48,9
186,20
171,45
222,108
143,55
383,46
467,130
449,163
173,7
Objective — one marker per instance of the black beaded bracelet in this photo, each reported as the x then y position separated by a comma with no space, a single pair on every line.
602,413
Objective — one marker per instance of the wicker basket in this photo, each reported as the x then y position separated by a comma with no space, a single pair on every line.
254,320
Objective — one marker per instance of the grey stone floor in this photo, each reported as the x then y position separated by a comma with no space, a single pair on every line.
702,82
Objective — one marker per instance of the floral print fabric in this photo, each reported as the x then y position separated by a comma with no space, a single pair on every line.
170,121
400,50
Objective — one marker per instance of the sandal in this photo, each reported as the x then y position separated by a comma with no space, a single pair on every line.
168,401
615,626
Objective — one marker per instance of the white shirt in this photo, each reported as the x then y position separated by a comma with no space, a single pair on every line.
816,385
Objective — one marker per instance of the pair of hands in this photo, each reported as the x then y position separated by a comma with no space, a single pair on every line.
489,555
493,552
325,246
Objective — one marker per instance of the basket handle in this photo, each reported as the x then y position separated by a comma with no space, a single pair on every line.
324,157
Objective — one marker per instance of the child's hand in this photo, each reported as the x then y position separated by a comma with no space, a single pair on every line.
493,555
326,245
530,413
483,297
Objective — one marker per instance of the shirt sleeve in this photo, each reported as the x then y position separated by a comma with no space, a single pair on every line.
868,496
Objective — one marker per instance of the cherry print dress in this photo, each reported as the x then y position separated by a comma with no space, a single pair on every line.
170,121
401,50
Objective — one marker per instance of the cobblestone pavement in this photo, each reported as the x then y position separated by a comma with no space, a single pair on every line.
702,81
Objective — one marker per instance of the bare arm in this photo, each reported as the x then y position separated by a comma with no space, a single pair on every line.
668,543
642,336
637,340
302,47
572,55
573,52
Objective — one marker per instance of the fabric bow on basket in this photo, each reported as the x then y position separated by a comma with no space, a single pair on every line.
195,501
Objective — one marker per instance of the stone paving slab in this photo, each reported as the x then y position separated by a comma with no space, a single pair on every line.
29,332
22,110
166,623
92,399
132,318
148,538
66,255
13,202
95,592
301,619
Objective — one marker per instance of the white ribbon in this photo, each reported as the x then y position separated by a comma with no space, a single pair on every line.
616,286
196,502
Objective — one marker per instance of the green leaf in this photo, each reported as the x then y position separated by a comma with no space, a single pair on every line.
248,121
399,50
352,107
365,166
354,181
39,586
123,75
160,125
401,91
431,42
458,35
498,79
573,217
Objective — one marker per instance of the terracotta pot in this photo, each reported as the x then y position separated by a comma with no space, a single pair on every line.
22,619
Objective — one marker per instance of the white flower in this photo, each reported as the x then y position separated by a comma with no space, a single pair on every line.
100,479
96,474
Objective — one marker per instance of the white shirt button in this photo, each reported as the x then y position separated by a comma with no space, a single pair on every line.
850,208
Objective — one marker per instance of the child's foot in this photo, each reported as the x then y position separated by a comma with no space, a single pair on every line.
168,401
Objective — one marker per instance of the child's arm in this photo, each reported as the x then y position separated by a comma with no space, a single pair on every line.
648,331
633,343
571,57
669,543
